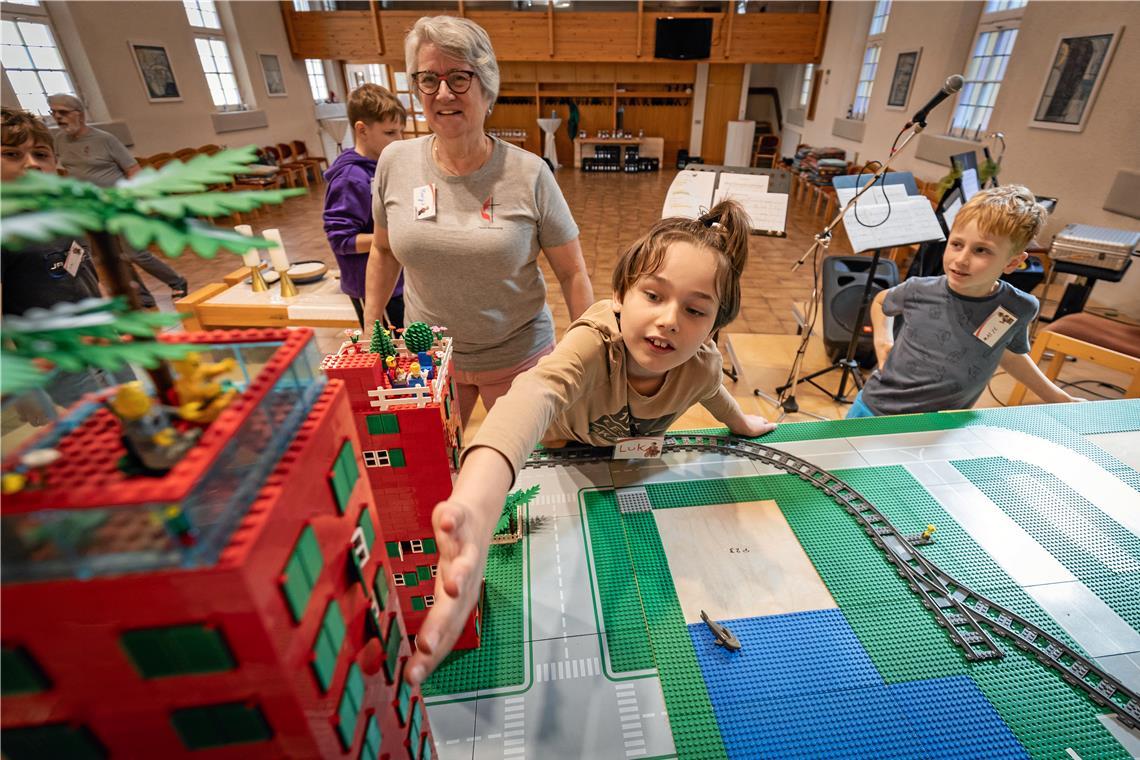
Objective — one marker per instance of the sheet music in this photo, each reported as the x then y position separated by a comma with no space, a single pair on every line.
756,182
950,212
876,195
767,212
690,195
970,183
911,221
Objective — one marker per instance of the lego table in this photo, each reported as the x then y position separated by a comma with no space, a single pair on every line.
232,303
593,645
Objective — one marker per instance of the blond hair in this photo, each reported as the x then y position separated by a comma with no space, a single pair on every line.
1009,211
371,103
723,230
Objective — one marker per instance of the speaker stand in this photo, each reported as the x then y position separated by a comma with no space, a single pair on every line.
847,367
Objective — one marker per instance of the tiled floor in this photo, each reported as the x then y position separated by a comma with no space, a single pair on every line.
612,210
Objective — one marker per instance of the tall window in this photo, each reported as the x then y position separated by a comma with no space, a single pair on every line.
805,86
870,59
214,53
32,60
315,68
997,33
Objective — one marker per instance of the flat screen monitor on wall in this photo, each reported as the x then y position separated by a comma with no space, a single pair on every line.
683,39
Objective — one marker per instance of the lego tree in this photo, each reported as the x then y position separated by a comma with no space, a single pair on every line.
508,519
418,337
381,341
154,206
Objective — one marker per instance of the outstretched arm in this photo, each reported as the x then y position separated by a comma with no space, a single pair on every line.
726,409
380,277
1022,369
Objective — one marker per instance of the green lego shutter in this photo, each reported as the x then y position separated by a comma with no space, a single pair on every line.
19,673
418,603
349,708
396,457
381,586
414,742
429,546
327,647
177,650
393,548
301,572
403,701
344,475
365,524
220,725
392,648
426,753
373,739
411,580
52,740
382,424
424,572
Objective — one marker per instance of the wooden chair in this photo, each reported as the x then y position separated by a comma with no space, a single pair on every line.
185,154
159,160
291,170
289,156
1109,343
767,150
210,149
301,151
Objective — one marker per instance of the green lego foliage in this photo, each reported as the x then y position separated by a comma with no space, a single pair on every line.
418,337
508,518
381,341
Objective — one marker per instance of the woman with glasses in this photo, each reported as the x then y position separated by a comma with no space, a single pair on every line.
465,216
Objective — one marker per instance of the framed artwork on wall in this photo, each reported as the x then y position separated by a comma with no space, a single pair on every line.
274,77
905,69
1072,81
156,72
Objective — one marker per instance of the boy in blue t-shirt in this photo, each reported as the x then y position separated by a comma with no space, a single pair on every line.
960,327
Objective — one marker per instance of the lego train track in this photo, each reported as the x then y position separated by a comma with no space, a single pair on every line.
967,616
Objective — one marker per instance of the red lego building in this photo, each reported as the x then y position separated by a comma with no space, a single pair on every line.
410,439
238,606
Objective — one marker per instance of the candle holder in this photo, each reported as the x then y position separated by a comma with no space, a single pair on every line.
288,289
256,281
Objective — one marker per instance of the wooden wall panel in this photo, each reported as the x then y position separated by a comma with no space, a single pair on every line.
670,122
582,36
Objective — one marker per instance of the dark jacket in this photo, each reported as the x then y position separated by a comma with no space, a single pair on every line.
348,213
35,276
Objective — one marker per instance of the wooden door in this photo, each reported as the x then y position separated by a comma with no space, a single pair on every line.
722,104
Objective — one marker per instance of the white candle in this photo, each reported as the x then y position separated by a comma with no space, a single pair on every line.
250,258
277,255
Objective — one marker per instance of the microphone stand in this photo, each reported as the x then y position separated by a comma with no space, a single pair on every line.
786,393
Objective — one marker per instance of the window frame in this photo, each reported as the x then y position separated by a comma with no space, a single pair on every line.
805,85
38,14
210,35
320,65
995,22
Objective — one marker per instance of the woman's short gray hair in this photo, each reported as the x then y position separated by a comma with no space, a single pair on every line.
456,38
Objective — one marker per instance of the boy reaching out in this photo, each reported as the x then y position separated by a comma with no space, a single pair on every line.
626,368
960,327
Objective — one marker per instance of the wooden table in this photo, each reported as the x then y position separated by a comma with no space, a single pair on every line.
232,303
650,147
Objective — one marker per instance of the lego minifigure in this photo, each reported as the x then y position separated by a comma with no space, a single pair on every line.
153,445
415,376
198,398
401,378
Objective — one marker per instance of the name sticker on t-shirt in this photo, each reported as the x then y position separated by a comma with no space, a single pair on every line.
996,325
74,258
645,447
423,201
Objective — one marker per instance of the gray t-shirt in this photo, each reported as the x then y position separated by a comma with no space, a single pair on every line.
474,268
937,362
97,157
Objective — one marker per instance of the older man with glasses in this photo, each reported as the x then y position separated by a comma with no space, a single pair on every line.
98,157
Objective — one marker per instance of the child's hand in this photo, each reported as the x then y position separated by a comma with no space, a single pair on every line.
752,425
462,557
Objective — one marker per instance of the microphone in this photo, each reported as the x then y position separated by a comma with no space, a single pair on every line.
952,84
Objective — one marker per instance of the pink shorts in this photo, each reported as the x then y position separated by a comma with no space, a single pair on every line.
489,385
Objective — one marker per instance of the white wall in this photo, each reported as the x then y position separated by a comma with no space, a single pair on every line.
94,37
1076,167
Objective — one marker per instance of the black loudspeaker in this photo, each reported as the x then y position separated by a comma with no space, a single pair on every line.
843,280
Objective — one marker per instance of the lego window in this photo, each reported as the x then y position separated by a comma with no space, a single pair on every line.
434,570
399,579
219,725
378,458
19,673
344,475
301,572
414,731
382,424
403,701
418,603
429,600
381,586
372,739
53,740
396,457
417,546
365,524
429,546
327,647
425,753
392,648
350,702
177,650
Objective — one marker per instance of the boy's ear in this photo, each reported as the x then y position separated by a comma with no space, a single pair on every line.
617,303
358,127
1015,262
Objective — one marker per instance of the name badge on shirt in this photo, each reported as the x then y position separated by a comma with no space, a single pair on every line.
74,258
645,447
423,201
995,326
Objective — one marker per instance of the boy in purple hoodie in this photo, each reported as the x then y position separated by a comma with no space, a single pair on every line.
377,119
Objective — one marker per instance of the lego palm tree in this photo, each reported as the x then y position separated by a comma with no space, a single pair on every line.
155,206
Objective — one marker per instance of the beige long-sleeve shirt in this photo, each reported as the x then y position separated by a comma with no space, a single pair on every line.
580,393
